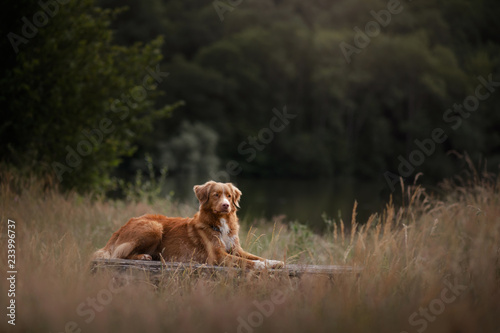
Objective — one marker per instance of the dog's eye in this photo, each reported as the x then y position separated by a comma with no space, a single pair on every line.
216,194
229,195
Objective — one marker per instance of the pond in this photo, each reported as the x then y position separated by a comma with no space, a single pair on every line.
304,201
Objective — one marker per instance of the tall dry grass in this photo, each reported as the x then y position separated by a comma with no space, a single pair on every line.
431,265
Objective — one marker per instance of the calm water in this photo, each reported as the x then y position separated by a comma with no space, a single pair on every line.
304,201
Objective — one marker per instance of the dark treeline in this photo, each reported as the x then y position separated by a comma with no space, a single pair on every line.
353,118
376,86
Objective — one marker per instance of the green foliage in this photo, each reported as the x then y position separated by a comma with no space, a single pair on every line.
192,151
72,102
302,237
354,118
143,189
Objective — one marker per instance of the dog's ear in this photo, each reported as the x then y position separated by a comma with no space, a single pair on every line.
236,195
202,192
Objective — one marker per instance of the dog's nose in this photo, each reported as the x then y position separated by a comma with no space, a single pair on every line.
225,206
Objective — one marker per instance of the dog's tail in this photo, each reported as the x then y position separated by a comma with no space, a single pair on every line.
122,251
111,251
101,254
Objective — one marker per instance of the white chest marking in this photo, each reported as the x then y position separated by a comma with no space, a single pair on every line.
226,240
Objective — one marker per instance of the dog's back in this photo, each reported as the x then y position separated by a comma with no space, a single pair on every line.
137,237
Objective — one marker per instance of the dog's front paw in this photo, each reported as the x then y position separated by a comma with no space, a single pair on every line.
257,264
144,257
274,263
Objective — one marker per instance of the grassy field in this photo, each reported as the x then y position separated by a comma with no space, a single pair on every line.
432,265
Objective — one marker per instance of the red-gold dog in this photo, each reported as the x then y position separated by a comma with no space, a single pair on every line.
210,236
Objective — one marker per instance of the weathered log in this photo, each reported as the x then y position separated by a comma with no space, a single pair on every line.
156,268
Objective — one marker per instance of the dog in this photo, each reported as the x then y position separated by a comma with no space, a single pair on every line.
210,236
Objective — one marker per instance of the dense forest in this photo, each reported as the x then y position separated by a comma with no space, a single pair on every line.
346,88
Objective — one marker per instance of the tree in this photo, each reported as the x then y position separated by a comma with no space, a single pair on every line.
73,103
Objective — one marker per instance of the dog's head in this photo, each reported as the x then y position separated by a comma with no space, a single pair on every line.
219,198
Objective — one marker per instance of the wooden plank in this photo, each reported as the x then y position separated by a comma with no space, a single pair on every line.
159,268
